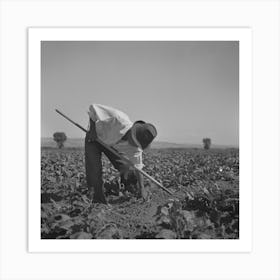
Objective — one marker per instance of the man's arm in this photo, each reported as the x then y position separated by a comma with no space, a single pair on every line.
140,181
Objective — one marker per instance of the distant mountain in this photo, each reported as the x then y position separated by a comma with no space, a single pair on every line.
165,145
79,143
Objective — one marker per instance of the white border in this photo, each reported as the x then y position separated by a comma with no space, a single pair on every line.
243,35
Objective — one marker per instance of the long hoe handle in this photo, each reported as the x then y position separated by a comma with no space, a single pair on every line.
118,155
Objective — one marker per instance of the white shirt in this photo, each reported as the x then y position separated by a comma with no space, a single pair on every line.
111,126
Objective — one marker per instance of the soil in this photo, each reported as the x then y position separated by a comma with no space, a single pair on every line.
204,204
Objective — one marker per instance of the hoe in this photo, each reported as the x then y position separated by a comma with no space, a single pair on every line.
124,159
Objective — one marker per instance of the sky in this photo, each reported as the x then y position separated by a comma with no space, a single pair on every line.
188,89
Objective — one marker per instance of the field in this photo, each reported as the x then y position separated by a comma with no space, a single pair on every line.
204,204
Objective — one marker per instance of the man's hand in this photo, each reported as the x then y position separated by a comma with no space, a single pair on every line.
144,193
125,168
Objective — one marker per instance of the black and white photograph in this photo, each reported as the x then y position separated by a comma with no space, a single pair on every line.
140,139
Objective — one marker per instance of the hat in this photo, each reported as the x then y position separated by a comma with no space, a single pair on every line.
142,134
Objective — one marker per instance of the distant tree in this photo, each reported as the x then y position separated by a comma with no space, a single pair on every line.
206,143
59,138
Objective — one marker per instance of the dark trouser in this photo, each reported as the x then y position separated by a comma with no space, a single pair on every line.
93,163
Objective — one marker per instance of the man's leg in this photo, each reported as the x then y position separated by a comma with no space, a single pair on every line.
93,166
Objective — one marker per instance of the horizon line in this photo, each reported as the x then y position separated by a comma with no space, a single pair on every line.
166,141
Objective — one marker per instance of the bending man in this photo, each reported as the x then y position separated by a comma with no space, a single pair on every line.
114,128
